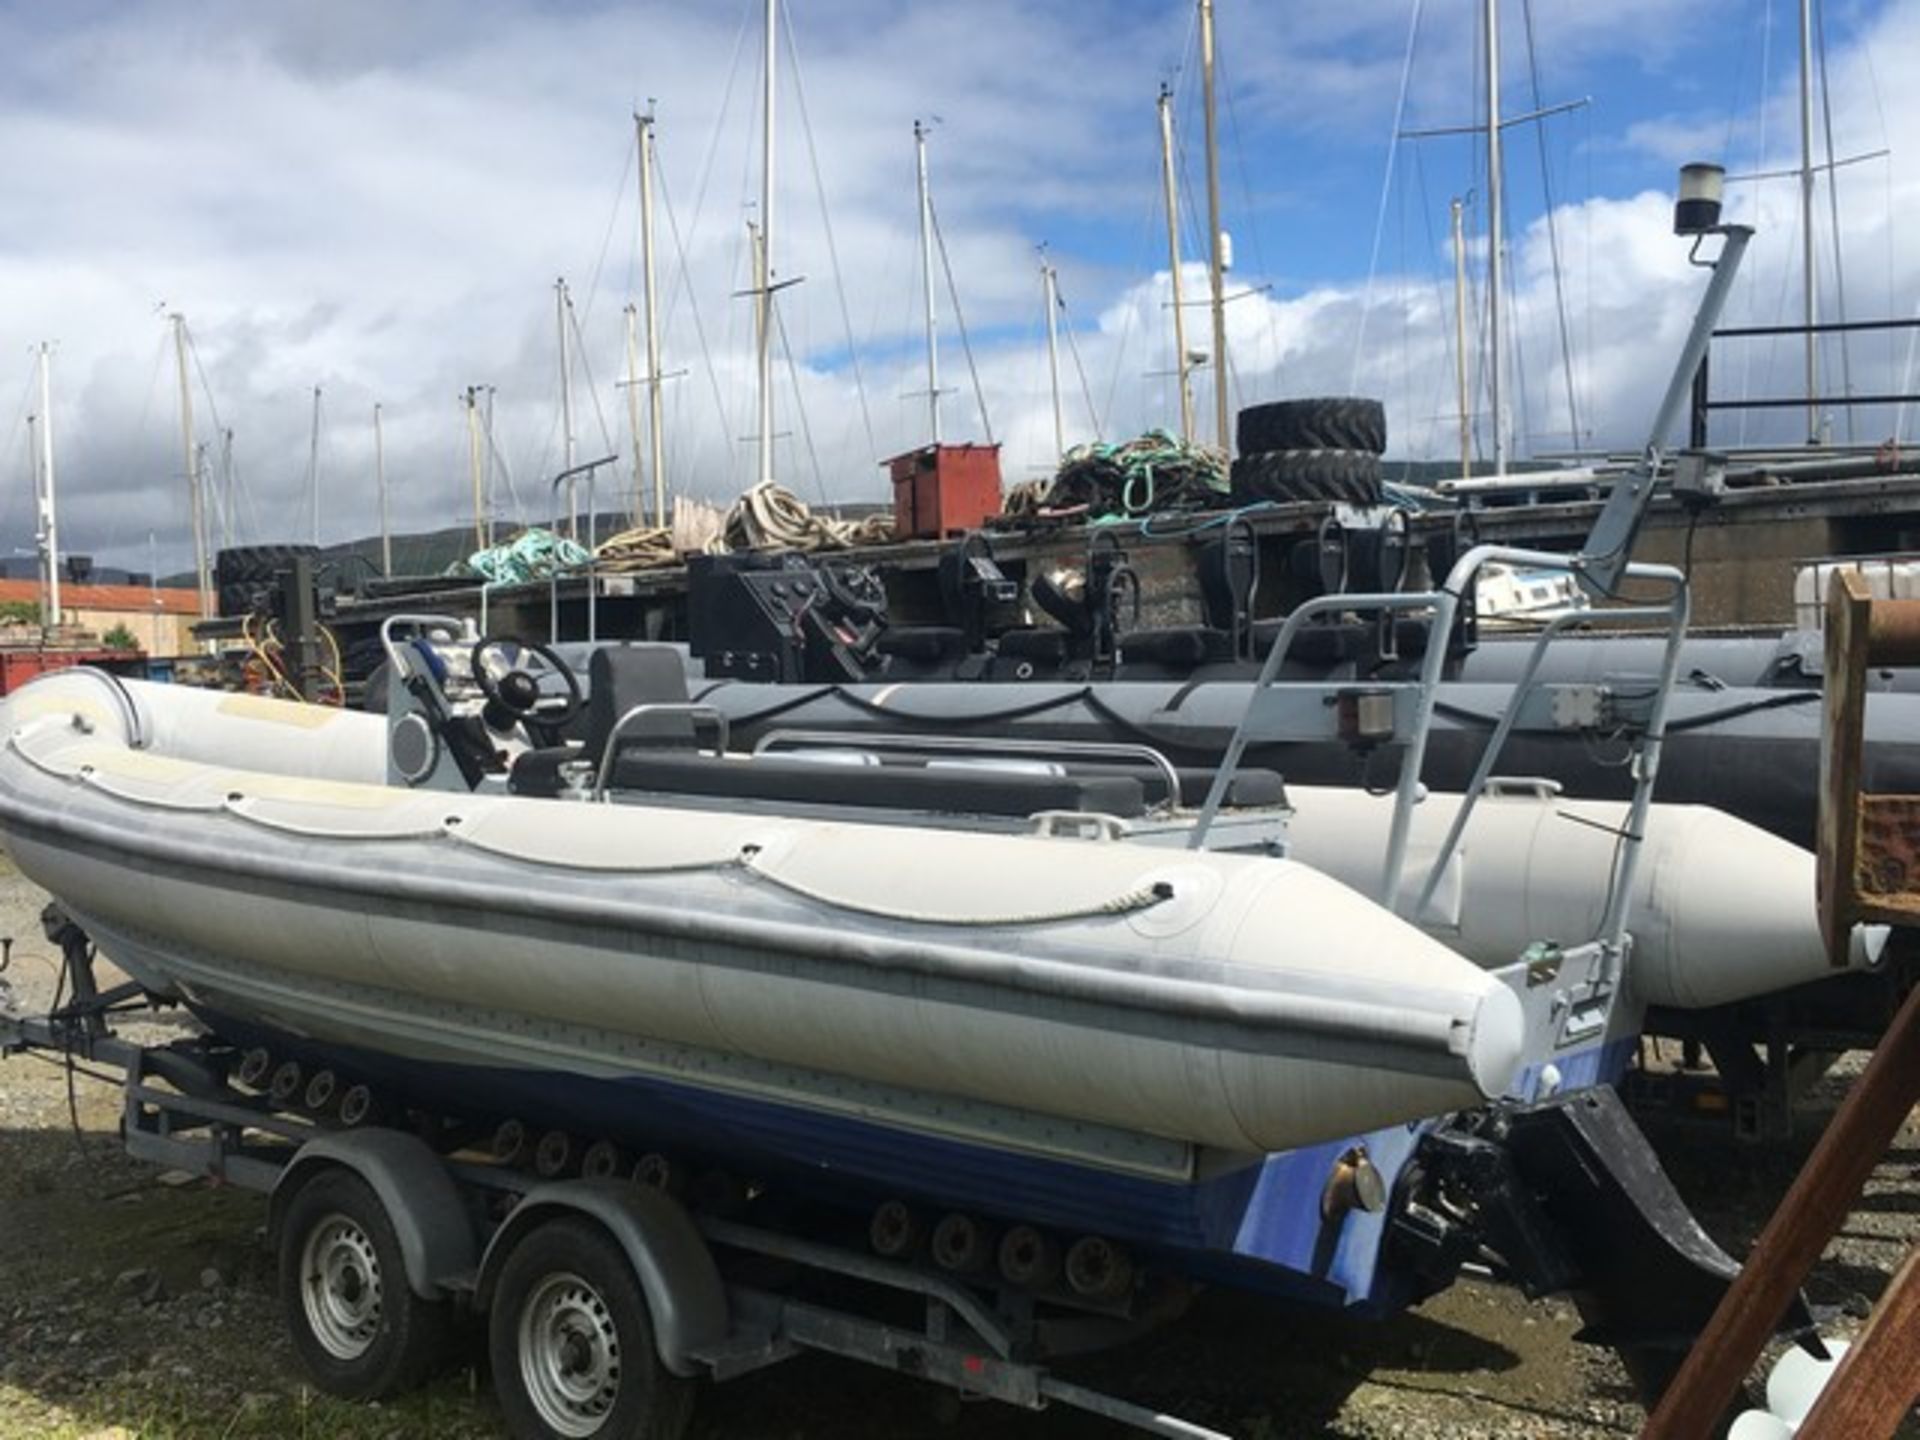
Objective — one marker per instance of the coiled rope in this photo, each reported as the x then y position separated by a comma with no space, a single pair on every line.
1150,474
766,517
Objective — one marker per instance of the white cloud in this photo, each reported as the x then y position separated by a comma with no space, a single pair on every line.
376,200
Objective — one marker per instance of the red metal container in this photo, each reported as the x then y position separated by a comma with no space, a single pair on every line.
19,666
941,490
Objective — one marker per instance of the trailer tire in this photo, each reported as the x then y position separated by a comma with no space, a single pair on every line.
1350,477
572,1344
1334,422
356,1324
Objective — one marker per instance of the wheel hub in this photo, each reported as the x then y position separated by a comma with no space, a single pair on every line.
569,1355
340,1289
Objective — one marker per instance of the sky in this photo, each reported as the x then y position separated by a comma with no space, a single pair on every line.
377,201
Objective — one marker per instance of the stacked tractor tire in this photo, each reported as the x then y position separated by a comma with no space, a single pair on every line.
1310,451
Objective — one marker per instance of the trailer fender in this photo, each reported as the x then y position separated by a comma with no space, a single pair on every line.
431,1220
685,1299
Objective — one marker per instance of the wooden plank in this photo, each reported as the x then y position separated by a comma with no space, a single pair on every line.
1878,1379
1814,1208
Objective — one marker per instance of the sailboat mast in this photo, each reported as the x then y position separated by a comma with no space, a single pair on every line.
926,278
473,469
1049,288
313,471
566,403
1460,339
1216,237
229,520
764,298
1180,365
633,384
1496,223
49,533
380,484
196,501
656,432
1809,301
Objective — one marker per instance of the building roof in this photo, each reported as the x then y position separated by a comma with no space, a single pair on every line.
109,599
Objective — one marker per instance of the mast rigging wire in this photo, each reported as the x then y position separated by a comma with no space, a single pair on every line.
960,321
1553,229
833,250
1386,185
693,306
799,406
1073,349
1833,209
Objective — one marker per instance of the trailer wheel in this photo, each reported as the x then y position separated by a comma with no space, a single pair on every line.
572,1345
357,1326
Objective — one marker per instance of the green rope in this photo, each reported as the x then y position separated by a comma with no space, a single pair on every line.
1151,473
533,554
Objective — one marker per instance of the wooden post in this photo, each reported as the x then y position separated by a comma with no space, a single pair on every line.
1864,842
1822,1194
1878,1379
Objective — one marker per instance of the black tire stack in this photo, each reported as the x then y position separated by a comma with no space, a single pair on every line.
1307,451
247,577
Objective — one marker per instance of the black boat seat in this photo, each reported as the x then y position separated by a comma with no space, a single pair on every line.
619,677
925,644
786,779
1044,644
1179,647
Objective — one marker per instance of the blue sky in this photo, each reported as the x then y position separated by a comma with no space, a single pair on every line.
377,199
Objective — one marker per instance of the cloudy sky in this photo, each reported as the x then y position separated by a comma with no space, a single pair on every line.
377,199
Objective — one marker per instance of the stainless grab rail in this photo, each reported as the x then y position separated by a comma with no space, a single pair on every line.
640,712
982,746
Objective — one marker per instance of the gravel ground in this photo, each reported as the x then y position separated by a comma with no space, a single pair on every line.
132,1306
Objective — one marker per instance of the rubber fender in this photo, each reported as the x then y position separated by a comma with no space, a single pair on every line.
429,1216
685,1298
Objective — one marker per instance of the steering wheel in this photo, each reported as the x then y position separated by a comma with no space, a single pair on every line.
518,679
854,590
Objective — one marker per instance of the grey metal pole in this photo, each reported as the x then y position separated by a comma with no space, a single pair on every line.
1053,354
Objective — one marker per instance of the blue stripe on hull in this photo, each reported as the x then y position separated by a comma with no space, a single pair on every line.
1248,1221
